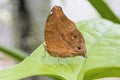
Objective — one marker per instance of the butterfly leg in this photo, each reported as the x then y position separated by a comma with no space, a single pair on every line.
45,52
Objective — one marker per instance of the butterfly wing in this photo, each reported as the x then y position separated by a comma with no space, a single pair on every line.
61,36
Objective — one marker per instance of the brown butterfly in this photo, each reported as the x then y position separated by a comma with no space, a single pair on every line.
62,38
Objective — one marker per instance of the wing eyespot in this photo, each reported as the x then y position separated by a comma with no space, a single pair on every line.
74,36
78,48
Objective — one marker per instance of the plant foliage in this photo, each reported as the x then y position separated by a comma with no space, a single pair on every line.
103,57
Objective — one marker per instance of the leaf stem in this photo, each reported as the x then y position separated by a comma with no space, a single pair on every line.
16,54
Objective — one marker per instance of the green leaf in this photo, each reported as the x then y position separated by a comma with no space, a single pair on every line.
104,10
103,59
103,45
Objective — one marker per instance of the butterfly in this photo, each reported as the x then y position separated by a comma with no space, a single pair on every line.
62,38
